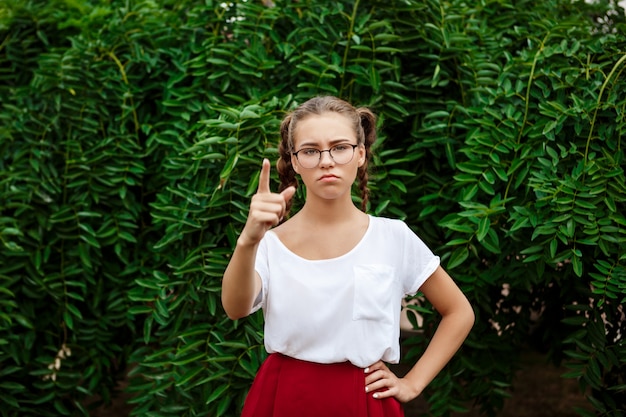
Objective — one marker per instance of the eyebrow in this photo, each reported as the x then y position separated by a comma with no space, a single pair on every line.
332,142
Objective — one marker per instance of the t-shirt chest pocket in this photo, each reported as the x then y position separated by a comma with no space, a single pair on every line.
373,292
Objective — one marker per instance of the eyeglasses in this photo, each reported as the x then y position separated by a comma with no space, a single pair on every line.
310,157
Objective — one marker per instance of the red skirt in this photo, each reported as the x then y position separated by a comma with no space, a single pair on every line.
287,387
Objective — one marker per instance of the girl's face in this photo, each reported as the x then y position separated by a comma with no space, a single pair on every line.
334,175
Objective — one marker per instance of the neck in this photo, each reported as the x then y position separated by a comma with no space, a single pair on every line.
329,211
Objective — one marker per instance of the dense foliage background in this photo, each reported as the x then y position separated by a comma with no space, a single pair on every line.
131,137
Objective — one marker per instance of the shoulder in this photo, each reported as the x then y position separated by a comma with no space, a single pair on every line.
389,225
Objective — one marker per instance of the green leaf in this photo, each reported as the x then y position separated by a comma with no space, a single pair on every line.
75,311
457,257
217,393
23,321
483,228
68,320
577,266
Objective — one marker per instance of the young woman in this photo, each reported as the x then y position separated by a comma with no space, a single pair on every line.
331,279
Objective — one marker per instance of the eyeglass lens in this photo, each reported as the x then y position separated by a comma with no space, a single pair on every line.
311,157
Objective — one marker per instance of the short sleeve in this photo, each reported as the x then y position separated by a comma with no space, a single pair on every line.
261,266
419,262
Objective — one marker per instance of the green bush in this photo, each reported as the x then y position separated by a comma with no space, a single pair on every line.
131,139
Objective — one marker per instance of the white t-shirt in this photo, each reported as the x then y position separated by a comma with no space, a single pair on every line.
345,308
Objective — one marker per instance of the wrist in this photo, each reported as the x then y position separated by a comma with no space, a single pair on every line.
415,385
244,242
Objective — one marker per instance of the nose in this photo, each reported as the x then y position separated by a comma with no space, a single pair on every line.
326,160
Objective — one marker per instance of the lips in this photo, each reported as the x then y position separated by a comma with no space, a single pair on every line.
328,177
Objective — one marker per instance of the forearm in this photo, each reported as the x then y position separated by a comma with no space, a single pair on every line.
452,330
450,334
240,285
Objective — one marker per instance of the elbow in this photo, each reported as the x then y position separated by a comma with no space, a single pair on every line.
468,310
470,316
472,319
233,310
234,316
463,314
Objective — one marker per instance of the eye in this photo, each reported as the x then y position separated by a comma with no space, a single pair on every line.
309,152
341,148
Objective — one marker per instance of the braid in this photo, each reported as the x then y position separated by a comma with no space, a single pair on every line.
368,132
286,173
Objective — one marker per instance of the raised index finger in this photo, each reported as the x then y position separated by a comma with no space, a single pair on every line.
264,178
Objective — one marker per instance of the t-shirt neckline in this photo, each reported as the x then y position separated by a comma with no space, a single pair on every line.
345,255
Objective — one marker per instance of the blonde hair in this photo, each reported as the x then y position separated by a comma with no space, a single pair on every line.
364,123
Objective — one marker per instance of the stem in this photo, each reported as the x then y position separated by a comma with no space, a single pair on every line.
527,99
349,37
530,84
5,42
595,113
125,79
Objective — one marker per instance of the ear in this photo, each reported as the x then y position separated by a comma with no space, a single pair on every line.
361,149
294,164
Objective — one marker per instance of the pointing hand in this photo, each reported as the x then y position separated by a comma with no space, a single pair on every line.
267,209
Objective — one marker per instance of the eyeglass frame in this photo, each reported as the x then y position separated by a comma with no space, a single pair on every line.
354,146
